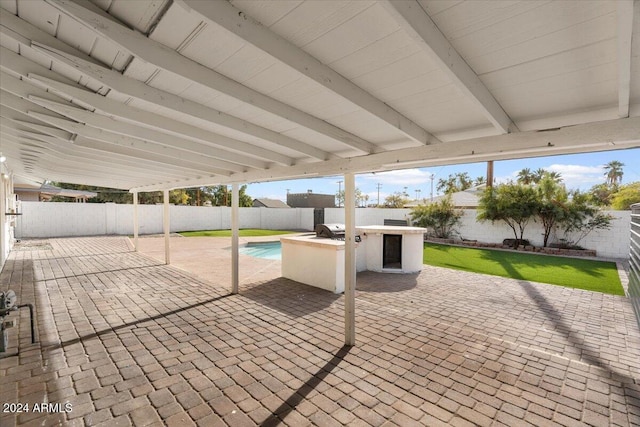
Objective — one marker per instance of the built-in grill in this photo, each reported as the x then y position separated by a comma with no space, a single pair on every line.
332,231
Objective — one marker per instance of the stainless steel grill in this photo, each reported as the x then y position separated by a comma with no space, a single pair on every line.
332,231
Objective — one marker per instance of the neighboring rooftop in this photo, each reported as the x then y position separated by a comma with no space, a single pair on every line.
269,203
311,200
47,192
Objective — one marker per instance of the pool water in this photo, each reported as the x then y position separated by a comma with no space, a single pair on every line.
266,250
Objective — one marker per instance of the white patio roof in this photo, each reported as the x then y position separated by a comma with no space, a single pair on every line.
159,94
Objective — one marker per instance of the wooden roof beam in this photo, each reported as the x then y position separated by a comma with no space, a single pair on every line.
417,23
625,35
590,137
171,61
224,14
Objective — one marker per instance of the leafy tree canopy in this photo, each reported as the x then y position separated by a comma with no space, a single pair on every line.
218,195
626,196
395,200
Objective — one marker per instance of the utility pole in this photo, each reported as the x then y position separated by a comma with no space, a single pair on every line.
340,193
378,185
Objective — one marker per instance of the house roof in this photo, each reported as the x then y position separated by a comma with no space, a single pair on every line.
160,94
55,191
460,199
271,203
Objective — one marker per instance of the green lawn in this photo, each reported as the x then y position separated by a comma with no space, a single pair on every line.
245,232
584,274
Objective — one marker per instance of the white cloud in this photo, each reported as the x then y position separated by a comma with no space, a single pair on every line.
577,176
400,177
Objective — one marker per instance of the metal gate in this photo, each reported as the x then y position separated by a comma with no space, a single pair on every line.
318,217
634,260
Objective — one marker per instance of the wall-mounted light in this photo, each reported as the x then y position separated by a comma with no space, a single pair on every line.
3,158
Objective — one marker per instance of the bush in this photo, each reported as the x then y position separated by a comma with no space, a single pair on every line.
440,216
514,204
626,196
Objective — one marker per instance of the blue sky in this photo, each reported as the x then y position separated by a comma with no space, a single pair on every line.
579,171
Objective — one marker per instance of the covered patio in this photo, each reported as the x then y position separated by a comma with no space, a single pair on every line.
158,95
128,340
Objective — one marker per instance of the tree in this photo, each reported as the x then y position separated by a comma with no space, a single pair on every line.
538,174
551,207
582,218
613,172
479,180
601,194
459,181
360,197
440,216
395,200
626,196
221,196
525,176
514,204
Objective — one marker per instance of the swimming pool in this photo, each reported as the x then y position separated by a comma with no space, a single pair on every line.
264,250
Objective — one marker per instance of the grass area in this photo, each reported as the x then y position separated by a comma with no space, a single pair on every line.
245,232
584,274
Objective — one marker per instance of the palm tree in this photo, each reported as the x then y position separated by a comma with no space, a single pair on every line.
613,172
554,176
525,176
539,174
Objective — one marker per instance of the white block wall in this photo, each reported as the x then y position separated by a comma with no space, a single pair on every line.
47,219
613,243
368,216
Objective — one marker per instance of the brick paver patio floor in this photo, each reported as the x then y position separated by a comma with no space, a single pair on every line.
126,340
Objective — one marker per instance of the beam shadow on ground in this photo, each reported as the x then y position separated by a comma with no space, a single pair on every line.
134,323
278,415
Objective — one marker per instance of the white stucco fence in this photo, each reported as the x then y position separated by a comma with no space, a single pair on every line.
41,220
613,243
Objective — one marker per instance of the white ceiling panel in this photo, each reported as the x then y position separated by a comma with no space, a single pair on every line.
314,86
382,53
245,63
365,28
269,13
140,14
273,78
311,20
176,26
40,14
545,30
76,35
635,57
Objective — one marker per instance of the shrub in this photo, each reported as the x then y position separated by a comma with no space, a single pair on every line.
440,216
514,204
626,196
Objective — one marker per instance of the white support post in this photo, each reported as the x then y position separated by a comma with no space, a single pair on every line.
235,223
166,226
350,260
136,224
3,219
